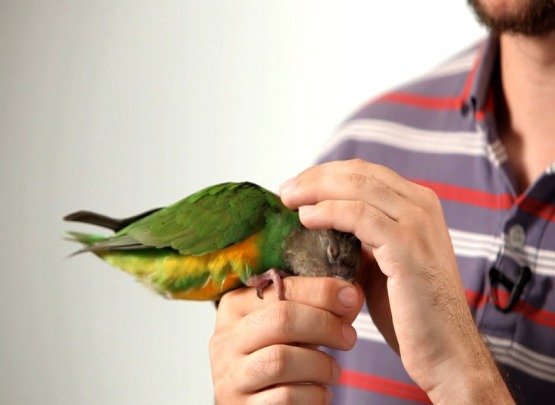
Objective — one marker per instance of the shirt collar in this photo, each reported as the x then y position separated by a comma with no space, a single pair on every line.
478,97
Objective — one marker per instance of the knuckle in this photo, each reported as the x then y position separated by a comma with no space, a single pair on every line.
324,324
254,321
418,217
430,198
368,218
230,305
273,362
255,367
278,360
357,163
278,316
379,186
283,314
357,180
282,318
226,300
359,207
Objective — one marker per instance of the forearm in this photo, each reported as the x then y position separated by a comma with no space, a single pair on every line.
465,373
470,378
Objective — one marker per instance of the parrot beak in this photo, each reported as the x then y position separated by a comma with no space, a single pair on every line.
350,279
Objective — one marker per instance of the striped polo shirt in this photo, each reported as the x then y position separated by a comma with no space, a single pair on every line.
440,131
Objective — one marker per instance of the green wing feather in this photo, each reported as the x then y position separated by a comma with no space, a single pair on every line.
211,219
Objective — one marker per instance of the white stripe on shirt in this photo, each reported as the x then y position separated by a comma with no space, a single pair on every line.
504,351
418,140
457,66
469,244
515,355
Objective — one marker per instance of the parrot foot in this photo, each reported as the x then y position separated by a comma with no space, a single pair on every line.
263,280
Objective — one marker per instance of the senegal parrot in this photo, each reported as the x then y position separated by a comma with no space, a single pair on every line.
218,239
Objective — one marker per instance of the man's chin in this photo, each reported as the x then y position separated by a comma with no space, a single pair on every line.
531,18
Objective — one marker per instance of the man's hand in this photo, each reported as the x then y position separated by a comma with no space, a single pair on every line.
265,351
411,280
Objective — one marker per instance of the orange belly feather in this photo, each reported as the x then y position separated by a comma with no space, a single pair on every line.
222,270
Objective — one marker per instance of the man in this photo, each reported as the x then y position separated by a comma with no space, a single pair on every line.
453,198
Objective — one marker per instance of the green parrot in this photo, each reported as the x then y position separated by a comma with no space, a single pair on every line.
218,239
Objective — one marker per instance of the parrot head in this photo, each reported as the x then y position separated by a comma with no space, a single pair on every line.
323,252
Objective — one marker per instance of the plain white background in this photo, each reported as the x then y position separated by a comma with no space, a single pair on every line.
120,106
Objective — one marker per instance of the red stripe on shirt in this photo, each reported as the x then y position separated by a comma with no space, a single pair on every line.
444,103
538,208
434,102
489,107
427,102
384,386
542,317
469,196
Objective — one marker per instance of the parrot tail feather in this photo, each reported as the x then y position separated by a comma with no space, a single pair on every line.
87,239
89,217
100,243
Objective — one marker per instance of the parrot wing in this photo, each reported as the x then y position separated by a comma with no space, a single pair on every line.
209,220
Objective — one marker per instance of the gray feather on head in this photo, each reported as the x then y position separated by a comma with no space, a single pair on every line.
323,252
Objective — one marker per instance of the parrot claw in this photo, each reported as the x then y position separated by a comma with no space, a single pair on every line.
263,280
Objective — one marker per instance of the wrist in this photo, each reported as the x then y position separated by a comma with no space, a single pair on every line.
470,378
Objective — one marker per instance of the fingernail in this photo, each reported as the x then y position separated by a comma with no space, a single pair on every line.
288,187
349,334
348,297
306,210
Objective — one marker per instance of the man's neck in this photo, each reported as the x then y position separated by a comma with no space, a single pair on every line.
526,118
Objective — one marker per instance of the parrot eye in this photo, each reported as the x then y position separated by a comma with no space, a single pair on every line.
333,253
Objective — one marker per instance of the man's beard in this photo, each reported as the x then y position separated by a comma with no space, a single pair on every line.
536,18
